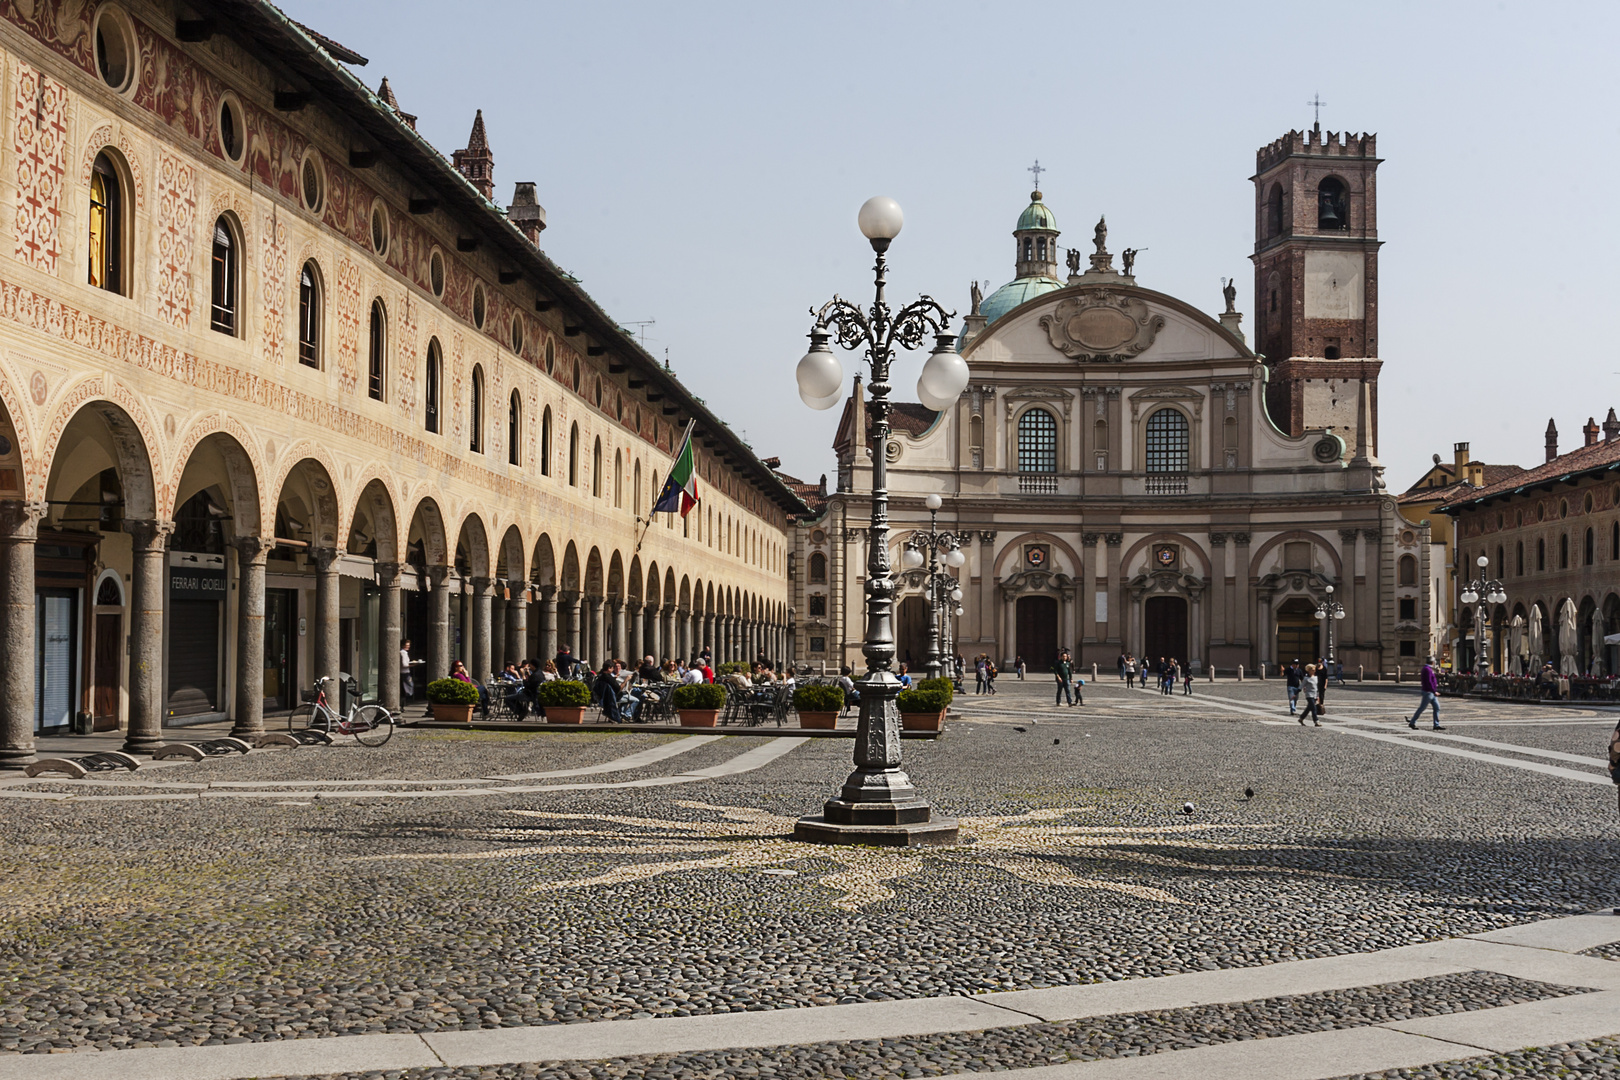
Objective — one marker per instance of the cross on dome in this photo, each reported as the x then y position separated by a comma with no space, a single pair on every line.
1035,170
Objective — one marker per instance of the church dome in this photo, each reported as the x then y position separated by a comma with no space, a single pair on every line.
1037,215
1014,293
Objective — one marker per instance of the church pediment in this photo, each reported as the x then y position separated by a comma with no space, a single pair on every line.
1153,395
1102,325
1012,398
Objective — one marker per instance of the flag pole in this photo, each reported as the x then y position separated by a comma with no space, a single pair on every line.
687,437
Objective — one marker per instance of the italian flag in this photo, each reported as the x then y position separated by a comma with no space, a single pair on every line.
680,490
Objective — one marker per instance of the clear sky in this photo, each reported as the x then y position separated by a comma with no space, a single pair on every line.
701,165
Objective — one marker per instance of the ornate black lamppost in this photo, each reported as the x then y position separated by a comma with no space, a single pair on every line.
1480,592
943,591
878,804
1329,611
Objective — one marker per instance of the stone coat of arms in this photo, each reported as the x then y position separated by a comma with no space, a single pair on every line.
1101,324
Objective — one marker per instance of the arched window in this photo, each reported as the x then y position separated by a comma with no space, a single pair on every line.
1541,555
1591,548
1408,571
309,317
635,491
1274,211
818,569
573,455
1029,250
106,225
431,383
1037,452
514,429
1518,558
222,279
1614,540
476,414
1332,205
379,343
596,469
545,442
1563,551
1167,453
1040,249
618,481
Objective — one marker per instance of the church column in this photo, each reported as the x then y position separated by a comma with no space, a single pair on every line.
251,552
19,530
498,654
390,629
150,540
1348,590
517,625
1243,599
985,613
1369,616
328,620
1217,589
1116,593
1086,582
1009,630
440,647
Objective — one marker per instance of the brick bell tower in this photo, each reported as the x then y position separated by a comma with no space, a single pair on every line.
1316,283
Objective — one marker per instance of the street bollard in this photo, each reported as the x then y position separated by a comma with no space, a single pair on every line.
1093,672
1397,676
1361,673
1262,671
1211,672
1240,673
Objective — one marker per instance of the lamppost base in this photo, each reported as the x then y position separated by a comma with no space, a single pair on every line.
927,832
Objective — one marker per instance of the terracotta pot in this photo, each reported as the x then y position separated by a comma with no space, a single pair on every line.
565,714
454,714
923,721
825,720
699,717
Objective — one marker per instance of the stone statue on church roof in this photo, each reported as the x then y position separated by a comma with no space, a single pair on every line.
1074,261
1229,290
1128,258
976,294
1099,235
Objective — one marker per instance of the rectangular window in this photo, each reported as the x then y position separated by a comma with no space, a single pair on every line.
1408,610
818,644
1408,648
818,605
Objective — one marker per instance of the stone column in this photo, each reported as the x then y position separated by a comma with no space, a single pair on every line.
548,622
251,553
482,598
649,635
1242,599
1367,613
1087,582
499,654
621,632
632,629
439,644
148,583
1009,631
328,612
598,645
667,631
517,625
19,528
1116,591
576,624
1217,587
708,633
390,629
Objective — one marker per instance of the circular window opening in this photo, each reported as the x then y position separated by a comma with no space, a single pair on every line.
551,357
436,273
230,129
314,186
379,228
1541,512
517,333
114,50
478,306
1563,508
598,393
576,376
1586,503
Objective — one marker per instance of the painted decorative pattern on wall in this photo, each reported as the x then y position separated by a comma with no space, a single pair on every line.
348,323
405,353
274,265
39,128
177,220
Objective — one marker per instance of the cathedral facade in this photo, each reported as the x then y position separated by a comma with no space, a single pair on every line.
1126,474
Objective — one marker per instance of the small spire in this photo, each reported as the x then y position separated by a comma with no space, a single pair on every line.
478,142
386,93
475,162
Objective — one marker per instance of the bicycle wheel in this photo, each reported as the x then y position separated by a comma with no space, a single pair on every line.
305,716
371,725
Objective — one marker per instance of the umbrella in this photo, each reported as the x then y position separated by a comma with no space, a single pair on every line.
1518,647
1569,639
1535,640
1597,642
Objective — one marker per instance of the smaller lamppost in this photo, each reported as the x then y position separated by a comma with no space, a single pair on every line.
1478,593
942,589
1329,611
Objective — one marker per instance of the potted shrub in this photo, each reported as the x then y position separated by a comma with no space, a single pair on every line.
698,704
452,700
944,686
564,700
818,706
923,708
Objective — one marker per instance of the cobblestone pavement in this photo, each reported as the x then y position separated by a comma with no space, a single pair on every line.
1565,1061
297,912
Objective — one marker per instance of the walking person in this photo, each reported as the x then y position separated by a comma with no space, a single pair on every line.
990,674
1018,665
981,680
1130,672
1429,682
1321,685
1294,676
1308,685
1064,672
1122,661
1186,683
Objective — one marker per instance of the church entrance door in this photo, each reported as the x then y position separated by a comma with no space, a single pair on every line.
1164,629
1299,632
911,640
1037,631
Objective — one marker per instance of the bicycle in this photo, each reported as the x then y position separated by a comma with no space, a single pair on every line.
371,725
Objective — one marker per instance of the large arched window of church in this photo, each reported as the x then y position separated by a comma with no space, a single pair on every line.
1037,451
1332,204
1274,211
1168,445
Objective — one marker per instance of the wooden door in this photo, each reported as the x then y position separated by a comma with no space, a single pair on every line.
1164,629
109,650
1037,631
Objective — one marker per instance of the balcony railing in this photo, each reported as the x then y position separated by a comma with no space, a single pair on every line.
1167,483
1037,483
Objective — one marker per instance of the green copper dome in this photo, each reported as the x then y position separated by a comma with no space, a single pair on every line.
1037,215
1014,293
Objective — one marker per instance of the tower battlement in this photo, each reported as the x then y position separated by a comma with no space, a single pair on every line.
1316,143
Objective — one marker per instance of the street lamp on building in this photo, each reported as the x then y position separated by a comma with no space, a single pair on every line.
942,590
1329,611
1478,593
878,804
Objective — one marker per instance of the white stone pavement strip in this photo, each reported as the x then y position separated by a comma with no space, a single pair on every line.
758,756
1537,951
1516,748
1457,751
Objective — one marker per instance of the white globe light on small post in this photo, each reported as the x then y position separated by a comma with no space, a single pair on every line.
944,376
911,558
955,559
820,376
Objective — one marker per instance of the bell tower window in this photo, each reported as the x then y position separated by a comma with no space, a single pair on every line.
1332,205
1274,211
1040,249
1029,249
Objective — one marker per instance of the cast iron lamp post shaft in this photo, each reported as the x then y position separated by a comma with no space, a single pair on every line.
940,584
1479,593
1329,611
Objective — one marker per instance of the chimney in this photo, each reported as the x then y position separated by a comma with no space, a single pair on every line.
386,94
475,162
1552,439
527,213
822,488
1476,473
1459,458
1611,427
1590,432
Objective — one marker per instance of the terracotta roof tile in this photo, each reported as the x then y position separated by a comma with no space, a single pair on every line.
1598,456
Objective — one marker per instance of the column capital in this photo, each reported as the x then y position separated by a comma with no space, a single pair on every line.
1241,539
1373,535
325,558
1348,536
1114,539
438,575
150,534
1089,539
251,549
19,520
548,593
987,536
1217,539
483,586
388,573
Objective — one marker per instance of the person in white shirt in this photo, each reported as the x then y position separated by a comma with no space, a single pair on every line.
407,685
692,676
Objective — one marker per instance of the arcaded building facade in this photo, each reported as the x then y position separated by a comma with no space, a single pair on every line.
1126,474
280,386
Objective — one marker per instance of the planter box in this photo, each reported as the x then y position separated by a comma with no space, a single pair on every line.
825,720
922,721
699,717
454,714
565,714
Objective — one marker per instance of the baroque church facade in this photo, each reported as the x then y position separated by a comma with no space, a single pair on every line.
1125,473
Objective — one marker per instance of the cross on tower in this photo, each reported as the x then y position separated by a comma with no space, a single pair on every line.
1035,170
1316,103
